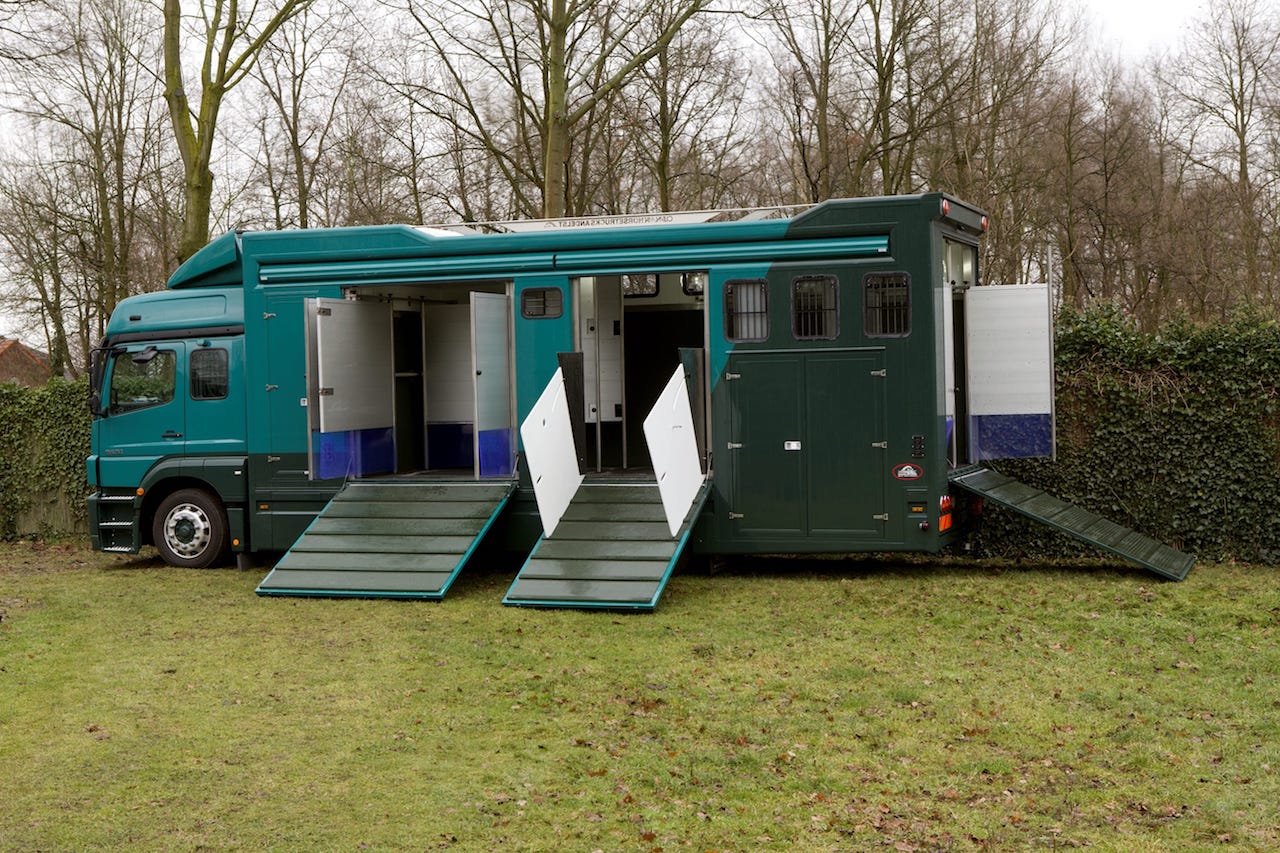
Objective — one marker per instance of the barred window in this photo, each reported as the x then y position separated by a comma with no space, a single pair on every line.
209,375
886,304
815,308
541,303
746,310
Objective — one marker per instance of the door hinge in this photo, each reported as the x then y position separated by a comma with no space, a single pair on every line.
729,376
267,315
881,373
735,445
883,445
324,312
882,516
325,392
271,387
734,516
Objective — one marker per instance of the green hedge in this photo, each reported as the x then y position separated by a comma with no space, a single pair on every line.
1173,434
44,438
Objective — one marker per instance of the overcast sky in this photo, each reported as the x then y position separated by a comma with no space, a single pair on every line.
1137,27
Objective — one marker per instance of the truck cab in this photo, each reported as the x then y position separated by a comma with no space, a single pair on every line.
167,457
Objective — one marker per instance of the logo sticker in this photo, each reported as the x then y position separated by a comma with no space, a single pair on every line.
908,471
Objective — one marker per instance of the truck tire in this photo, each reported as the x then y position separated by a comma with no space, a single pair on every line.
190,529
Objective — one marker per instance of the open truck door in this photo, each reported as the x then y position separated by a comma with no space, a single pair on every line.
351,391
1008,370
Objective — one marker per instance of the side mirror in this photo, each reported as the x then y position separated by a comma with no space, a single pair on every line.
95,404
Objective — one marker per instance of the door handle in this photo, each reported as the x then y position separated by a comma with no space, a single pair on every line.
171,434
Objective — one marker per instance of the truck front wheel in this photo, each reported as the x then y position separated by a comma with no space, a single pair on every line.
190,529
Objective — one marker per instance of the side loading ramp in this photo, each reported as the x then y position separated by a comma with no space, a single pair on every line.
612,549
389,539
609,545
1075,522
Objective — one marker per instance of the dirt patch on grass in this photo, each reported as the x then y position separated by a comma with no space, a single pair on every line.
30,558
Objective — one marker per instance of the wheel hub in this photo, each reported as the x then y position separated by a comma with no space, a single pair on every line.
187,530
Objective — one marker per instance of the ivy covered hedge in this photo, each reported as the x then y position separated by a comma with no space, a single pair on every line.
44,438
1174,434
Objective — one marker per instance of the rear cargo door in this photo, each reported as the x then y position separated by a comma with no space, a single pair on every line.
1009,353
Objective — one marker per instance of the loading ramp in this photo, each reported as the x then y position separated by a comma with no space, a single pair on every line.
384,539
613,549
1076,522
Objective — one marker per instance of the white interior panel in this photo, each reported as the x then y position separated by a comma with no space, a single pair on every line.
354,365
673,449
450,379
550,453
1010,350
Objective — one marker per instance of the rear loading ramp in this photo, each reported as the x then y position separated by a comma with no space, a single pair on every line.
380,539
1074,521
612,549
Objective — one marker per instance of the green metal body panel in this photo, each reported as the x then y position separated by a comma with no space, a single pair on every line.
1075,522
389,539
538,342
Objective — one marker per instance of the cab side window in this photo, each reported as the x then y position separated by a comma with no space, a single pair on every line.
142,380
209,375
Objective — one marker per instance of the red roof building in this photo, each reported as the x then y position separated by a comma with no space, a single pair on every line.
21,364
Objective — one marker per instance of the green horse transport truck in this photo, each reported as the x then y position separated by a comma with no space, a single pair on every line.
376,406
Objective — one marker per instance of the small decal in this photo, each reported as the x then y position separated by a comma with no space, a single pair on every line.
908,471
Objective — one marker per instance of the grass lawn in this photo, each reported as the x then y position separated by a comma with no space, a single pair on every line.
780,705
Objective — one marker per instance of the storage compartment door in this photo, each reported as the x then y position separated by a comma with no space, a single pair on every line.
1009,346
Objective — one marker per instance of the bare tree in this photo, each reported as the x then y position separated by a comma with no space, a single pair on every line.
524,78
304,74
88,99
1230,69
228,40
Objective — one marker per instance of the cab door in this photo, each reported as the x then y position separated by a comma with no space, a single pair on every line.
144,413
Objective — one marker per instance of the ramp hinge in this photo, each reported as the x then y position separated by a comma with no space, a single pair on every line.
734,516
729,376
325,392
324,312
883,445
881,516
881,373
271,387
268,315
735,445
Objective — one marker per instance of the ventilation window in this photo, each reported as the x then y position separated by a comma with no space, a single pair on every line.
639,284
541,303
746,310
209,375
887,305
815,308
